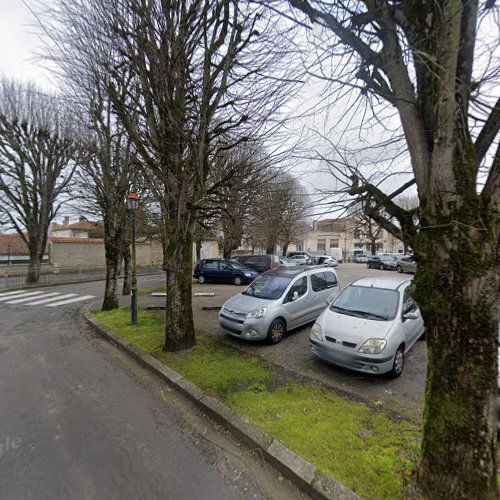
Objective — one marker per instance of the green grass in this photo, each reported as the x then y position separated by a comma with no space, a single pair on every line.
218,369
359,446
362,448
148,334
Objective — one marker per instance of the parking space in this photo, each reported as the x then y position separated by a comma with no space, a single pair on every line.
403,395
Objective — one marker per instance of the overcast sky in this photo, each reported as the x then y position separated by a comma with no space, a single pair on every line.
19,44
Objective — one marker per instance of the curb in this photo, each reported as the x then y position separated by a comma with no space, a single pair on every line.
298,470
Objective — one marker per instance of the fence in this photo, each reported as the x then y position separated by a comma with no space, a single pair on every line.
51,276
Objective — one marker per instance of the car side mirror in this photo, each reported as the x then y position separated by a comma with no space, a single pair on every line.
410,315
295,295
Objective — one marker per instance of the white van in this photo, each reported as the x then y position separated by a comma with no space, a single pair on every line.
335,252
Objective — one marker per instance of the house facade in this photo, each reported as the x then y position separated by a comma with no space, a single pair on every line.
348,234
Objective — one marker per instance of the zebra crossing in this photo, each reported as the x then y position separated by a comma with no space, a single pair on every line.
41,298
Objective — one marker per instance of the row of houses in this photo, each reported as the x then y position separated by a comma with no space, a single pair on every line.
72,245
346,233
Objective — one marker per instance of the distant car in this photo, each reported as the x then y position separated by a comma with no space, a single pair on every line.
369,327
326,260
360,258
279,301
223,271
300,259
286,263
406,264
260,263
381,262
298,252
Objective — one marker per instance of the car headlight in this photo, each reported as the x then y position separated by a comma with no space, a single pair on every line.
373,346
248,275
258,313
316,331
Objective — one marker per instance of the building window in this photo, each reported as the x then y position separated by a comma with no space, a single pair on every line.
380,247
334,243
299,247
358,246
357,234
321,245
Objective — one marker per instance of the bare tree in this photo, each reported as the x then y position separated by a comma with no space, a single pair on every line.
38,156
279,213
193,81
229,204
431,61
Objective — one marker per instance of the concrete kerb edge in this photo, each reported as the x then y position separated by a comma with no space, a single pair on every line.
301,472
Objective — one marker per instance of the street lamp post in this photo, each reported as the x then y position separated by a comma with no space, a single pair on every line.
133,203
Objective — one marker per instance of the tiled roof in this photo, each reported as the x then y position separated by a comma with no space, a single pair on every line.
77,241
12,244
79,226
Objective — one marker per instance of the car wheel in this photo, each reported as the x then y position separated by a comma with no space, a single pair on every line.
381,266
237,280
399,269
276,331
368,265
201,280
399,362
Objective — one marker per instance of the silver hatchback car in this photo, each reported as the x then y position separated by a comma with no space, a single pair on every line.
278,301
369,327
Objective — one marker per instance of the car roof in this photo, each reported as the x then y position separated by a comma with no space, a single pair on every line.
292,272
388,282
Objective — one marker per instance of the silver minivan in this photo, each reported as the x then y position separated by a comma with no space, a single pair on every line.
279,301
369,327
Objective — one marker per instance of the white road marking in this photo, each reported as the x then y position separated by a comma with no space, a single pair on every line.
21,295
67,296
18,301
12,293
69,301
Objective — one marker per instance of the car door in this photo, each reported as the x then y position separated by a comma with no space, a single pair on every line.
324,288
296,303
211,269
411,327
225,272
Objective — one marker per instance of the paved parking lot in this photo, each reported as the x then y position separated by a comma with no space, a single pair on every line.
403,395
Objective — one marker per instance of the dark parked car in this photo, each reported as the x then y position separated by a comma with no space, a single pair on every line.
381,262
406,264
259,263
223,271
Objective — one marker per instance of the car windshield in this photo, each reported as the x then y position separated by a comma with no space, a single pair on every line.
387,257
268,287
235,264
368,302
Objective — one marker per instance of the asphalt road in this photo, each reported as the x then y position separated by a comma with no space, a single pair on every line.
80,420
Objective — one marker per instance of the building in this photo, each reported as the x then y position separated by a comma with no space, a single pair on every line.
14,250
348,234
78,229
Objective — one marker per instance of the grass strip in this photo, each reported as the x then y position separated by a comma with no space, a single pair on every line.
359,446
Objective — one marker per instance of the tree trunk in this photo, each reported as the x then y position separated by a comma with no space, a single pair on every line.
198,250
373,246
112,248
456,286
126,268
34,267
179,326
